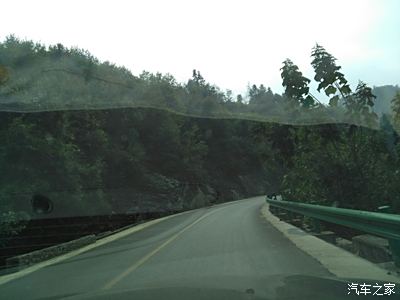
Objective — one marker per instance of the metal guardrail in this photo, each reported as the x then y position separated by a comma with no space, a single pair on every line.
380,224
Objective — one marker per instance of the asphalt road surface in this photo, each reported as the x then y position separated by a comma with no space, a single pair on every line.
223,252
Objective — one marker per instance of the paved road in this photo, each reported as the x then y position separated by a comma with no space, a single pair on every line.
224,249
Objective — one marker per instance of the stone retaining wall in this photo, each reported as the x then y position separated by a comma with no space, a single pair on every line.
24,260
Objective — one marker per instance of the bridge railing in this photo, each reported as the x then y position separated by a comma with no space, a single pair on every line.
380,224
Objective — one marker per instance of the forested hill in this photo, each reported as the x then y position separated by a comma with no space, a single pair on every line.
39,78
96,139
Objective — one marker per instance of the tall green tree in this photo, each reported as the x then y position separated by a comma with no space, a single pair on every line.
295,84
360,104
327,74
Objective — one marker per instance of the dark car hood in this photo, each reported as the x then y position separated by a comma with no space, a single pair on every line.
277,287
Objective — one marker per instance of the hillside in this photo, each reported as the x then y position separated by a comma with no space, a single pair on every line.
96,139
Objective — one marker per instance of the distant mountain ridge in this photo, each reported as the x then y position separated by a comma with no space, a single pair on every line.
384,95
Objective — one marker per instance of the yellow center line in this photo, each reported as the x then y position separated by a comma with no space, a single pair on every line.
145,258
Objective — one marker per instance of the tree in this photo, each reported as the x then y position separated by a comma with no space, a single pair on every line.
360,104
328,76
3,75
334,162
199,87
193,151
196,77
390,135
57,51
262,100
295,84
229,96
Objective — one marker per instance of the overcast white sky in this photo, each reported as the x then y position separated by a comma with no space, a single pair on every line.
233,43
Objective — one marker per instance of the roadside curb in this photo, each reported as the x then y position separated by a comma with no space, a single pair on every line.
337,260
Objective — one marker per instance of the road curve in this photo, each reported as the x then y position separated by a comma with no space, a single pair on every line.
225,247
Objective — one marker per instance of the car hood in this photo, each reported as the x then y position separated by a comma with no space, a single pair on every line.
276,287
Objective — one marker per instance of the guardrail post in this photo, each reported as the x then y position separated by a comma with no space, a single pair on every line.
316,225
395,249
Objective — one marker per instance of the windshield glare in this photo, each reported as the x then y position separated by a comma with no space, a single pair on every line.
230,149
